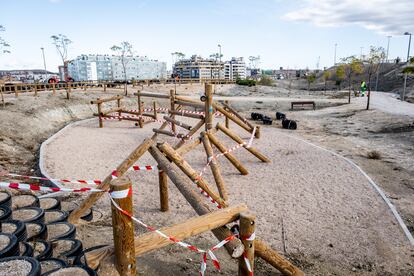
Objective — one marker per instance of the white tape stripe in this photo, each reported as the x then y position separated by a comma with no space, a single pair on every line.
120,194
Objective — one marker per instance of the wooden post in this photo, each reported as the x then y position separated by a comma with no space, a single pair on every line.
257,134
123,227
236,163
100,114
84,86
239,140
209,105
2,96
233,118
141,122
163,181
191,133
215,168
104,86
54,88
16,92
118,103
35,89
247,229
121,169
68,91
227,121
154,106
172,102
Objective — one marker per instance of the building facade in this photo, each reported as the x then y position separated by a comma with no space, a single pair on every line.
198,68
235,69
110,67
27,76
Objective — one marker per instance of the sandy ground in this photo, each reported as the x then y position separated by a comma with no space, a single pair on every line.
334,222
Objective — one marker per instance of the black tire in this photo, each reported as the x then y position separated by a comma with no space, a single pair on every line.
89,215
47,251
33,203
35,269
70,234
88,270
20,231
7,201
5,213
280,116
12,248
75,251
27,249
42,233
81,260
58,263
63,216
39,217
50,205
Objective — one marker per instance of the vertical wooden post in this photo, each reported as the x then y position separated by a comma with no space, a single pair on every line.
154,106
209,106
118,102
257,133
247,228
172,102
68,91
99,114
227,121
163,181
123,227
104,86
2,96
16,92
35,89
140,122
54,88
84,86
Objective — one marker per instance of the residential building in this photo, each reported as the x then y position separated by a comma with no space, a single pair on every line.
26,75
235,69
106,67
198,68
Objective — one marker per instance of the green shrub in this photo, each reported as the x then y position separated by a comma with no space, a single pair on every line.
246,82
265,80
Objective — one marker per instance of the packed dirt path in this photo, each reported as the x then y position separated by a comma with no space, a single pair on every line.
312,206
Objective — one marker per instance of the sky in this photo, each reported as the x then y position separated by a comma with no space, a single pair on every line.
284,33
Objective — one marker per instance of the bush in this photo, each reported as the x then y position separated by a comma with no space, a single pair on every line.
246,82
265,80
374,155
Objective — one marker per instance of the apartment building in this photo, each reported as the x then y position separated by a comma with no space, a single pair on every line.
198,68
235,69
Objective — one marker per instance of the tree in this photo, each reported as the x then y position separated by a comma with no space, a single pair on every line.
374,58
340,75
326,75
124,50
3,44
61,43
311,79
409,69
353,66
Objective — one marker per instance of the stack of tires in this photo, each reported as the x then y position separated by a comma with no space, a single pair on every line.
36,239
286,123
266,120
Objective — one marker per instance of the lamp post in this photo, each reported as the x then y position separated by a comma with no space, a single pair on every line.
408,60
219,45
336,44
44,62
388,46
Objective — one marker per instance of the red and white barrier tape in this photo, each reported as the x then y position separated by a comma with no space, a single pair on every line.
88,182
32,187
204,252
136,168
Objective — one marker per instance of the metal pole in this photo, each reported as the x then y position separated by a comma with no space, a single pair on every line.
220,59
44,62
335,54
408,60
388,46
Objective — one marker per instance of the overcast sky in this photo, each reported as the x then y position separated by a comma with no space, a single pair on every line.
292,34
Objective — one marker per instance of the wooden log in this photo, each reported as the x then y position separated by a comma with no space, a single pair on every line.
118,103
168,133
141,121
209,111
189,115
121,169
189,146
154,107
227,121
35,89
112,110
152,95
163,182
54,88
239,140
236,163
233,118
257,135
189,171
123,228
247,229
16,91
178,123
196,105
234,247
172,108
114,98
215,167
104,86
194,226
100,115
235,113
68,91
2,96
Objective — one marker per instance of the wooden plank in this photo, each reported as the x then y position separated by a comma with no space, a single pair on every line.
209,111
189,115
163,182
178,123
152,95
114,98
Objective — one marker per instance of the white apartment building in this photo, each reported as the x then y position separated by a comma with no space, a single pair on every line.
109,67
198,68
235,69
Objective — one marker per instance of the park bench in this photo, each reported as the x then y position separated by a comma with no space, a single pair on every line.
303,103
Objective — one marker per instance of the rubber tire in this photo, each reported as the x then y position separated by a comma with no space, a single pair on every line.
35,271
40,217
64,216
12,249
42,235
62,263
68,235
78,260
20,232
6,213
75,251
7,201
28,251
89,270
34,204
88,216
47,253
56,206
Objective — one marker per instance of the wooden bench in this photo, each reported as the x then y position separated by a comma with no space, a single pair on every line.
303,103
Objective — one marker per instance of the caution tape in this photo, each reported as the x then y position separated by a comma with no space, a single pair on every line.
88,182
32,187
136,168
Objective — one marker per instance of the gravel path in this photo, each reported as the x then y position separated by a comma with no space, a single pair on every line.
333,220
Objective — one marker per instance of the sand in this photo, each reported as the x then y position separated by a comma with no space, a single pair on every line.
48,265
21,201
61,247
4,241
3,196
8,227
25,214
15,268
56,230
332,219
38,247
46,203
32,229
70,271
52,216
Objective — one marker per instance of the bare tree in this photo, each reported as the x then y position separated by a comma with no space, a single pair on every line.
3,44
326,75
61,43
124,50
353,66
376,54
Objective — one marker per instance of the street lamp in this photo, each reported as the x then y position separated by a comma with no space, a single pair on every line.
336,44
44,62
219,45
408,60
